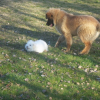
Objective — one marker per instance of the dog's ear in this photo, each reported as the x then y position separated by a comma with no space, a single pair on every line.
47,15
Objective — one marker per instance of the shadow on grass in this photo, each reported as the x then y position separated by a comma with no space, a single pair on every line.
46,36
16,10
66,5
8,2
34,89
55,3
78,6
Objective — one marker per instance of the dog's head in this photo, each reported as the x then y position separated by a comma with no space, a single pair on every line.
49,17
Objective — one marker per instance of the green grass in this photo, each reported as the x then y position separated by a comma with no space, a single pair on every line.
66,76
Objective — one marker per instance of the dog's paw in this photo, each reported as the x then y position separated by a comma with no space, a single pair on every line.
83,53
55,46
65,50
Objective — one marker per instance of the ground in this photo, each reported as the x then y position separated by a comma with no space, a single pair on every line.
52,75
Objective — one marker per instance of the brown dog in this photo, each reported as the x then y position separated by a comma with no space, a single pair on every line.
86,27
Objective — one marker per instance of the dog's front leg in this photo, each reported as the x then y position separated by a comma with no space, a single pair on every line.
60,39
68,39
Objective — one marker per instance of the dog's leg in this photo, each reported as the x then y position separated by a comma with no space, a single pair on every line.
68,39
60,39
87,48
87,35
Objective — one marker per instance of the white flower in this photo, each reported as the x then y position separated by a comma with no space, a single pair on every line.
80,67
43,75
26,79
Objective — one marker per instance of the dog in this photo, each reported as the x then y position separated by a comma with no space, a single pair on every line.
69,25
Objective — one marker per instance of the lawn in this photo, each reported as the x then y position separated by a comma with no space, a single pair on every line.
52,75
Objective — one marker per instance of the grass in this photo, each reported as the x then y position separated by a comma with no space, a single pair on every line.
51,75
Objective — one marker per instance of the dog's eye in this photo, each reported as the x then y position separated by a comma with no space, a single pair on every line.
51,16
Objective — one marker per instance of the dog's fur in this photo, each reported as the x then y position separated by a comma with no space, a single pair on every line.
69,25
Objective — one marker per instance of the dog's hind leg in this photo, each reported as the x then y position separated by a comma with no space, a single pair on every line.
60,39
87,48
87,34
